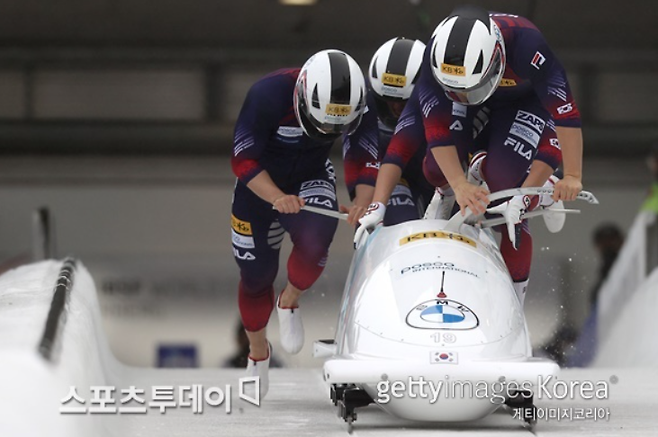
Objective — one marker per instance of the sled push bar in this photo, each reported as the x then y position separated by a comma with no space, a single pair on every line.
488,223
327,212
322,211
457,220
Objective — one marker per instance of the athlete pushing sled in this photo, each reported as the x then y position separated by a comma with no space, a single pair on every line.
435,299
490,87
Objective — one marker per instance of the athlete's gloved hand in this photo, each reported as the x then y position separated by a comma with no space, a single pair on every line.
513,211
373,216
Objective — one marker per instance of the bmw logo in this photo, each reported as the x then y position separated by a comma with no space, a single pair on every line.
442,314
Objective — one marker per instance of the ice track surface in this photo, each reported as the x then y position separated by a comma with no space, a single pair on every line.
298,402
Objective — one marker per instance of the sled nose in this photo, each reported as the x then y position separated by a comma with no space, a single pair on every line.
324,348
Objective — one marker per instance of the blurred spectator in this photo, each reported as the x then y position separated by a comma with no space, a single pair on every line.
651,203
568,347
608,240
239,359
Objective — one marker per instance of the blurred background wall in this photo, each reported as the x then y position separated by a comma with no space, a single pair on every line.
117,115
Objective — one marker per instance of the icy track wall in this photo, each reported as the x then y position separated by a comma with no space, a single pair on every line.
31,386
633,340
627,304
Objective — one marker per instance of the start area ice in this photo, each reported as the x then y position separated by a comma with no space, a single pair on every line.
33,390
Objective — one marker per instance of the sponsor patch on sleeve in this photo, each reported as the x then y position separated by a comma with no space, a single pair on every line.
565,109
554,142
538,60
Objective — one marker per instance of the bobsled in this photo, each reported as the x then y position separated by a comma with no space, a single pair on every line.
432,302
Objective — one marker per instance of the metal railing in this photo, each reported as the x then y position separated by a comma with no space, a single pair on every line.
43,237
51,337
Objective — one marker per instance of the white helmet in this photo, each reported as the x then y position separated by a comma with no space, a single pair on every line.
329,98
393,71
468,55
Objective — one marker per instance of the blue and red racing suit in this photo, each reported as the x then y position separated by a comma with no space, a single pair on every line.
411,196
516,125
269,138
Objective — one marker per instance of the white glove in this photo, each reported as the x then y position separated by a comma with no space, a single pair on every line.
373,216
513,211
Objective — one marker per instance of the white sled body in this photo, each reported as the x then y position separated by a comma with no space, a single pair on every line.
397,324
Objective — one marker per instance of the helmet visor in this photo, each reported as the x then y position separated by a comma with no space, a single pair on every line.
325,131
337,129
482,91
317,129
